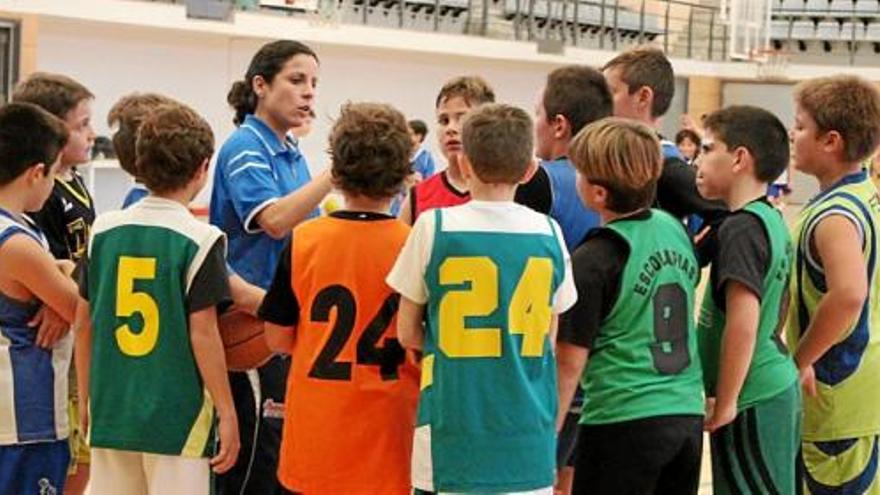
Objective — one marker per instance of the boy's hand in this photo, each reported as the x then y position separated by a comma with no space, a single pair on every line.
51,327
229,444
807,377
718,415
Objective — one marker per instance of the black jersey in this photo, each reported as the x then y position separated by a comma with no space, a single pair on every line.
67,217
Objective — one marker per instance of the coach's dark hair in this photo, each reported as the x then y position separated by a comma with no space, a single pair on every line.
578,93
756,130
28,135
267,63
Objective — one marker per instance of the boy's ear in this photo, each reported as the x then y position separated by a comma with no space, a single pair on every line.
561,128
645,97
37,171
742,159
833,142
530,171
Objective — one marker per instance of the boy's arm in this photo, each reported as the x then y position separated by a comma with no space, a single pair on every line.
410,331
838,247
737,346
280,307
23,260
570,362
406,213
209,355
83,359
245,296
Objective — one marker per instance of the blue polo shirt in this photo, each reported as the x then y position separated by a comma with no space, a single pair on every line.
423,163
254,169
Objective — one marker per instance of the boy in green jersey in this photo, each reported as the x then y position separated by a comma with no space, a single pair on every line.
642,419
834,315
149,357
750,378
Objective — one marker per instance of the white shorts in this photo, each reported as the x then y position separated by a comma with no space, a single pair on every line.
139,473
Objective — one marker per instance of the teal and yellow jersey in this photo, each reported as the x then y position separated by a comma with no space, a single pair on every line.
771,370
488,393
848,374
643,362
148,268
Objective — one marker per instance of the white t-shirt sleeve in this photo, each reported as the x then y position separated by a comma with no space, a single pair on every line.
408,274
566,294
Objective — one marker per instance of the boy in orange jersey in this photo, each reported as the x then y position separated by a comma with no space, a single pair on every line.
352,392
448,188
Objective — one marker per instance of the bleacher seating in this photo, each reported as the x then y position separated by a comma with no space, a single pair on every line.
829,22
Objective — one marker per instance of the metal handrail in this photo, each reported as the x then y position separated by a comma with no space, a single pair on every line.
679,27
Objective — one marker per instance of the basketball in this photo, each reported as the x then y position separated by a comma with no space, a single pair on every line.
244,340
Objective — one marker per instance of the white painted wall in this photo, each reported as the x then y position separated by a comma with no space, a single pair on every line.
198,69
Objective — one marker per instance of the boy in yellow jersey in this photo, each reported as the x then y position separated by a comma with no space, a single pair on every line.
834,316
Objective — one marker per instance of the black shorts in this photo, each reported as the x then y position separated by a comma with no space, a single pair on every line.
659,455
256,469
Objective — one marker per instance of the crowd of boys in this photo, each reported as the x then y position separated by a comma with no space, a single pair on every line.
470,352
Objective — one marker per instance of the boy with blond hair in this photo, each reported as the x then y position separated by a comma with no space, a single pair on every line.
448,188
642,418
749,376
150,287
352,376
491,276
34,449
834,319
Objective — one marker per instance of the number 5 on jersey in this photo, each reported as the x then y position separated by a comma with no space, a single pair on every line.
129,302
529,313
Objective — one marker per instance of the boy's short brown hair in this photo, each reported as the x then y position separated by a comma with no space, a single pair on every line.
370,149
578,93
55,93
28,135
623,156
498,141
126,115
756,130
647,66
849,105
172,144
474,89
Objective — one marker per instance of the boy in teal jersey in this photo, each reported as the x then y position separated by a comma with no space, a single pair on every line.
149,356
642,418
492,276
834,315
750,378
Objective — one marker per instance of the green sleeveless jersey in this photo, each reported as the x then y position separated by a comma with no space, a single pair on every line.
848,374
491,403
643,362
771,370
146,393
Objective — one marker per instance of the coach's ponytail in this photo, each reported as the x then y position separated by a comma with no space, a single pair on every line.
267,62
